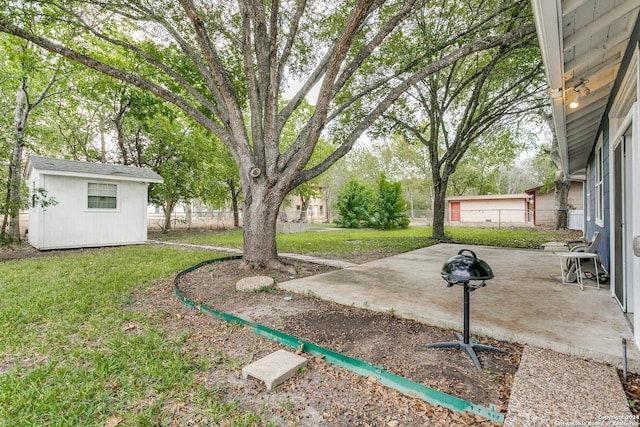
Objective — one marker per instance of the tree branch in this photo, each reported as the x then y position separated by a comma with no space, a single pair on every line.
117,74
394,94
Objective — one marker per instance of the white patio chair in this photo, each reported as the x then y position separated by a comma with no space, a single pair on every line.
591,247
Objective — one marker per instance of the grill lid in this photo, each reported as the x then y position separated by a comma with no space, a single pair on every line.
463,268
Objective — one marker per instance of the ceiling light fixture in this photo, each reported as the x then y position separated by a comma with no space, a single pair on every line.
575,104
581,91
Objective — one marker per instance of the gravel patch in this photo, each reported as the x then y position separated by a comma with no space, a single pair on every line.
552,389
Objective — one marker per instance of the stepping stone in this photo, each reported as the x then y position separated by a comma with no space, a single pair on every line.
254,283
275,368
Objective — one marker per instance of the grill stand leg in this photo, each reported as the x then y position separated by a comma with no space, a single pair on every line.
463,342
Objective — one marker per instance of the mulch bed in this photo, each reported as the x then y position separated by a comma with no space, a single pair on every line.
380,339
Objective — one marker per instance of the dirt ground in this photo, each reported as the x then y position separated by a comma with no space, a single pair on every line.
326,395
322,394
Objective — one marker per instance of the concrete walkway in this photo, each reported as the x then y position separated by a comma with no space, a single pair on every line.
525,302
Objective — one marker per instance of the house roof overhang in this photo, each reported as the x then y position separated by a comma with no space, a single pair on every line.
583,43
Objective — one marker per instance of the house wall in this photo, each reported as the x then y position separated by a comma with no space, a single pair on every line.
575,198
592,224
545,203
316,208
608,127
621,113
70,223
496,210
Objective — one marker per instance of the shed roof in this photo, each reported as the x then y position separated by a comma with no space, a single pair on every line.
76,168
490,197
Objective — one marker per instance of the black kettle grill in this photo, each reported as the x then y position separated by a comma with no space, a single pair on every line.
471,273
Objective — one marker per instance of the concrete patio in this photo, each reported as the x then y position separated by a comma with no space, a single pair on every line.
525,302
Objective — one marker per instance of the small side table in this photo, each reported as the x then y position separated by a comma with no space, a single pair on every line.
577,257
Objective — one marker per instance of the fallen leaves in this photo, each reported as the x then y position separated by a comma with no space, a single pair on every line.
325,394
113,421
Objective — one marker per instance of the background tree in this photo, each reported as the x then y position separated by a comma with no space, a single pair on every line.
290,131
479,171
359,206
79,122
243,53
561,182
174,148
225,188
33,74
409,163
456,108
133,127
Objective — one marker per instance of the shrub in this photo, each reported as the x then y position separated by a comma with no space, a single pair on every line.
359,207
389,210
355,203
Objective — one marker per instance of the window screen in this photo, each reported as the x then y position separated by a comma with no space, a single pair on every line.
102,196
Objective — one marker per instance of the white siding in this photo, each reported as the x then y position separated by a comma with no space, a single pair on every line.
498,211
575,198
34,236
70,223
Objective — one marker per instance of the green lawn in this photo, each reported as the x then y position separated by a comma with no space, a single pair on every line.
340,243
66,358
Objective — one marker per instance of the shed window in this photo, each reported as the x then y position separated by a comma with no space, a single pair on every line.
102,196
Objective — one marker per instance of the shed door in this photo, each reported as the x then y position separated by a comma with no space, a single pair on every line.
455,211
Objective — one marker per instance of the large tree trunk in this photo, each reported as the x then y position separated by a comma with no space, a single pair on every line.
261,206
188,215
562,182
260,235
15,183
440,192
561,196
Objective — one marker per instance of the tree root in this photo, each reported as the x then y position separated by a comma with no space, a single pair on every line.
274,264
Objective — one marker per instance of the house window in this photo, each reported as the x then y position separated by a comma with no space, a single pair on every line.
599,189
102,196
587,209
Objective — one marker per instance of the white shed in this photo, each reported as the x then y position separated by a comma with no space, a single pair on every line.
95,204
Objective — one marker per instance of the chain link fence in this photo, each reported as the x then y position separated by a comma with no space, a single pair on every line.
220,220
223,220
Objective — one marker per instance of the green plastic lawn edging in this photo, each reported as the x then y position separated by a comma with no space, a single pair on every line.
403,385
